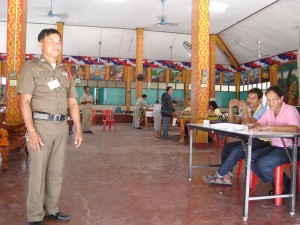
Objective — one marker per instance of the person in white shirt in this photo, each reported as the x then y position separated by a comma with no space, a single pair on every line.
157,120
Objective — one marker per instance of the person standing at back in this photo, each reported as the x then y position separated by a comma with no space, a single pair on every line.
167,109
140,103
87,103
47,92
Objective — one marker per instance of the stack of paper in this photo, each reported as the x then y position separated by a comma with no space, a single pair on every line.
229,126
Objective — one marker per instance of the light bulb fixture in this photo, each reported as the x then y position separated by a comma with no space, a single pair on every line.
217,7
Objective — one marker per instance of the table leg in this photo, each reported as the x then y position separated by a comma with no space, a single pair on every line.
191,155
146,122
294,168
247,185
181,129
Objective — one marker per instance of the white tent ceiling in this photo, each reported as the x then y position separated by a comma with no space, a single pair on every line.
114,22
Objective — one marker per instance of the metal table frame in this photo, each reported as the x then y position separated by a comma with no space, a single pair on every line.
250,135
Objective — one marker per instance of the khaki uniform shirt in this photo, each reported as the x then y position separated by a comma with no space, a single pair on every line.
34,80
86,97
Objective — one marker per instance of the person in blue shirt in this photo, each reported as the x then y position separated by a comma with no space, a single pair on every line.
250,111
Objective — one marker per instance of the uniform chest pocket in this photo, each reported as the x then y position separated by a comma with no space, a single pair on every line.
64,82
42,83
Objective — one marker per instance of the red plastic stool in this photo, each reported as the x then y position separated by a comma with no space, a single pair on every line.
278,180
220,141
253,177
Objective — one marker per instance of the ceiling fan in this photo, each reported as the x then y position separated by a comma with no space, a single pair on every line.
61,15
187,45
163,18
259,54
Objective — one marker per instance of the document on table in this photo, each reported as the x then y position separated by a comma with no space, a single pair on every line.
229,126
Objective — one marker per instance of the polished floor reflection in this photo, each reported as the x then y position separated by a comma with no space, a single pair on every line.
129,177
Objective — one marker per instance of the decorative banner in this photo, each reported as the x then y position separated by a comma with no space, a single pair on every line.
81,60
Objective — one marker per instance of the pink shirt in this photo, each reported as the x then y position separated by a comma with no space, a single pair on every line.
288,115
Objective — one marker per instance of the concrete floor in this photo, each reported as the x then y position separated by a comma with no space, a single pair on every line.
132,178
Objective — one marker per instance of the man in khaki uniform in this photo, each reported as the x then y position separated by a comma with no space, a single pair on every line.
46,93
140,103
87,103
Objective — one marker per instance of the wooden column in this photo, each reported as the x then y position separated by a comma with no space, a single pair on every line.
237,82
60,28
212,68
167,78
15,55
87,72
107,72
128,87
200,64
273,74
139,60
187,80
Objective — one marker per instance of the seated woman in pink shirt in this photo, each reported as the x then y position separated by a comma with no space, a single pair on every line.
278,117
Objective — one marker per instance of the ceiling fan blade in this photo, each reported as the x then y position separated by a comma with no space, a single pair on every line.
172,24
61,15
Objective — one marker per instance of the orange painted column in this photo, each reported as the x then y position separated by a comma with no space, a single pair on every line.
200,64
148,74
139,60
107,72
212,68
129,70
167,79
187,80
87,72
237,82
2,69
60,28
15,56
273,74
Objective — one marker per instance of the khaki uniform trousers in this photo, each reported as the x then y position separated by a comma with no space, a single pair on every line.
136,118
46,169
86,119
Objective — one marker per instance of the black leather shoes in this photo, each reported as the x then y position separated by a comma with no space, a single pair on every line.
59,217
36,223
286,186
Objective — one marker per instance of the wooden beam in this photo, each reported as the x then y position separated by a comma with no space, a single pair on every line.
226,51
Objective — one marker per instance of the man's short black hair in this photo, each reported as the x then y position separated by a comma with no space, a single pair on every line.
168,88
256,91
275,89
85,87
144,96
46,32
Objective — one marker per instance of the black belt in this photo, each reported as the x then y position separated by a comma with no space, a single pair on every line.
48,116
